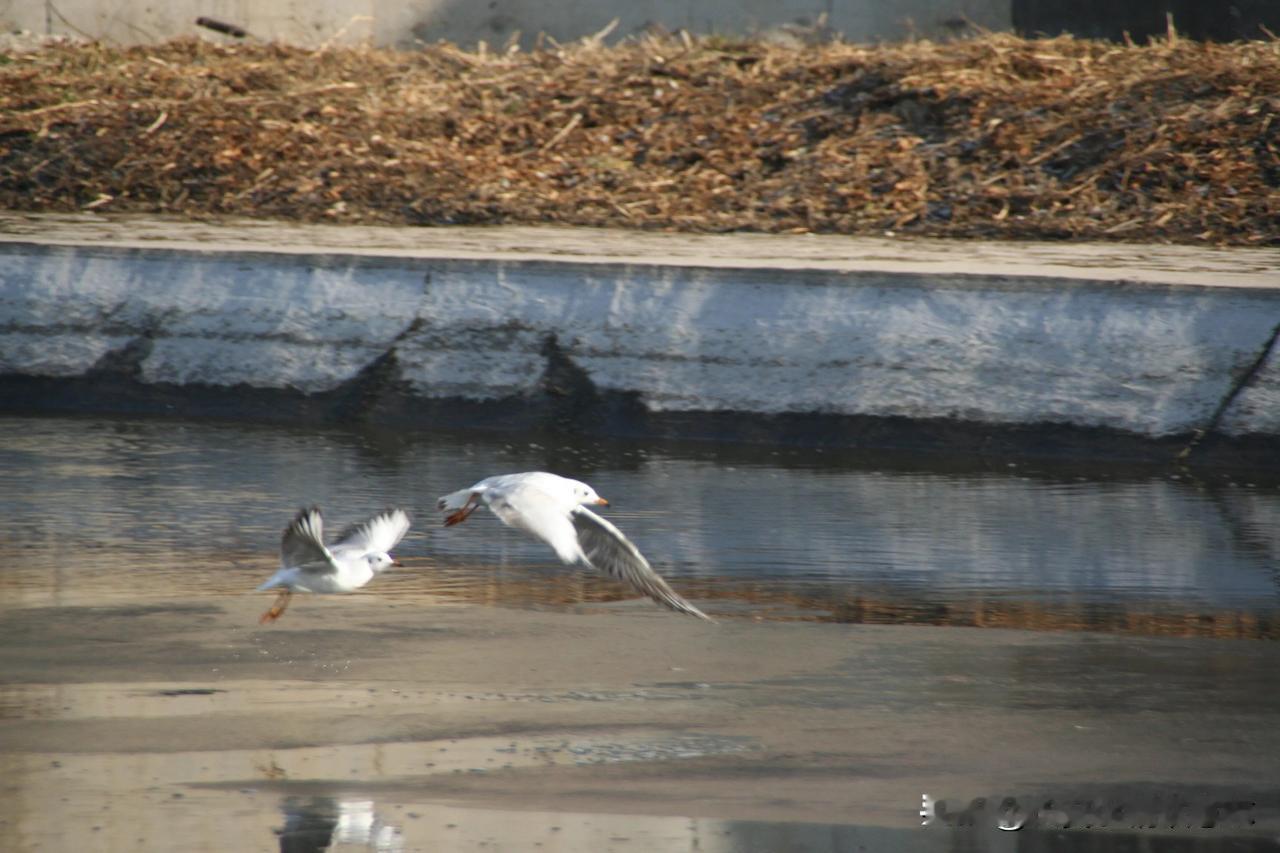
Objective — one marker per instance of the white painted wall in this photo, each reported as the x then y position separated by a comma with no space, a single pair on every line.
402,23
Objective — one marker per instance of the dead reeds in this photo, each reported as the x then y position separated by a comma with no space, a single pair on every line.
991,137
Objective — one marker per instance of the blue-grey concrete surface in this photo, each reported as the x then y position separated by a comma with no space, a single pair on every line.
1150,341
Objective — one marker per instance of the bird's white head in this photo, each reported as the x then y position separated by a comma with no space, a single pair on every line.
584,494
382,561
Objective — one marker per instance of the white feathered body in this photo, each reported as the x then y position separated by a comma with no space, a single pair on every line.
550,507
349,576
536,502
359,555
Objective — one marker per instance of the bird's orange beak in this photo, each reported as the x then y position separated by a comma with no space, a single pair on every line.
601,502
398,564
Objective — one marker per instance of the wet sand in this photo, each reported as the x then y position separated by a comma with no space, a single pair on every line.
146,717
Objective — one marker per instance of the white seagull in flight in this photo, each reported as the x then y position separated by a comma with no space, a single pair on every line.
359,554
551,508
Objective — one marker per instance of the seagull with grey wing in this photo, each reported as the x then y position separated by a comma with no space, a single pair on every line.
552,508
307,564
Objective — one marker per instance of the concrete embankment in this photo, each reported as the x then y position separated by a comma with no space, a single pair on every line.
1095,349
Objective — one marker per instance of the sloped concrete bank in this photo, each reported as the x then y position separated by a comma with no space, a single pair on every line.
1096,350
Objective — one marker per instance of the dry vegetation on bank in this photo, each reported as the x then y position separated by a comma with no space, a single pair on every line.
991,137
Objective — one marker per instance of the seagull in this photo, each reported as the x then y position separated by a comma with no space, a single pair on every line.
359,554
551,508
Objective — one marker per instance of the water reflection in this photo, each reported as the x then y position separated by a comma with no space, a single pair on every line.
316,824
499,790
105,504
790,600
320,823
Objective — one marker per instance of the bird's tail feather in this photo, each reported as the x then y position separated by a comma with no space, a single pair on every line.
454,500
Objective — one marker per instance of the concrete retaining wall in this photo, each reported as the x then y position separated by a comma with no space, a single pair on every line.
863,335
396,23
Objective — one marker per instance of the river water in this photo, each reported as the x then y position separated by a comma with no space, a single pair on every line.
95,506
861,660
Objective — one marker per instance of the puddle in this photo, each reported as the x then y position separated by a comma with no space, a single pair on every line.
228,799
313,822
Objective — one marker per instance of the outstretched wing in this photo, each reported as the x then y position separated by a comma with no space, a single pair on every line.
377,535
302,544
612,553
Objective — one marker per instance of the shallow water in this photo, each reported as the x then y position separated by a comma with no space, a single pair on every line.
142,707
400,795
312,821
101,507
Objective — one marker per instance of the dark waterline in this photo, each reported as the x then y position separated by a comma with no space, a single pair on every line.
764,531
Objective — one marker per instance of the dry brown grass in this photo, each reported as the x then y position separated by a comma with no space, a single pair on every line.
991,137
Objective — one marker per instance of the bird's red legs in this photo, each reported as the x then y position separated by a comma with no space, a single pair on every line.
277,608
472,504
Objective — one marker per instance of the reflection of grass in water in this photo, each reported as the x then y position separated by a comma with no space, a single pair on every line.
550,586
1062,616
101,572
109,574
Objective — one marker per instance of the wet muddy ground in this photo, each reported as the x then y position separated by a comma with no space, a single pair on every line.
484,698
126,726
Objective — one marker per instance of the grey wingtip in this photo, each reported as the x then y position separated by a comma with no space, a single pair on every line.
302,518
673,601
693,611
